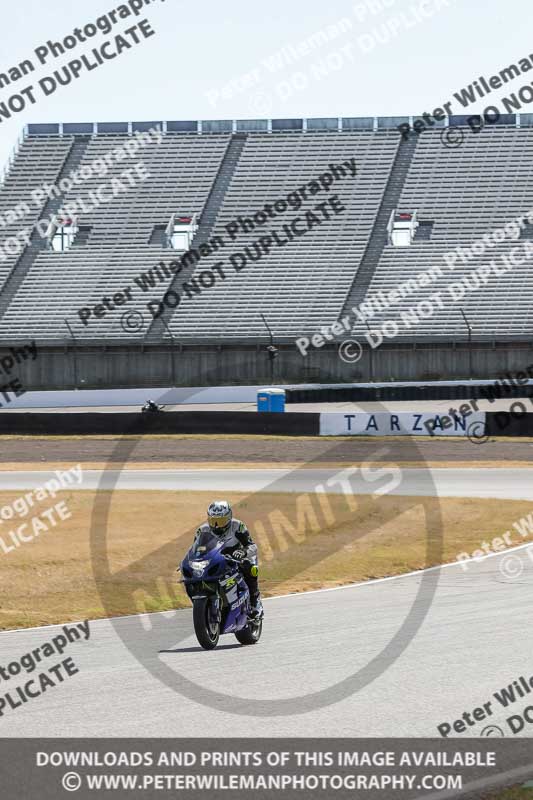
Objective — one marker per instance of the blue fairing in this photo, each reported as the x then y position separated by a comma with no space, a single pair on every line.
207,573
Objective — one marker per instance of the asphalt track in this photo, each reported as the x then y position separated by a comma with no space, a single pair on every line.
475,639
516,484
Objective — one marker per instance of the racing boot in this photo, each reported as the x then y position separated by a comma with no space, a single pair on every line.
256,610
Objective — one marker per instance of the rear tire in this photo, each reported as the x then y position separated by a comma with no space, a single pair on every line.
205,631
251,634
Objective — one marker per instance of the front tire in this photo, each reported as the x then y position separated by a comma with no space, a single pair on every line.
251,634
206,631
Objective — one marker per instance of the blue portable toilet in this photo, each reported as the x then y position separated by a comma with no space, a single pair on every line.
263,400
277,399
271,400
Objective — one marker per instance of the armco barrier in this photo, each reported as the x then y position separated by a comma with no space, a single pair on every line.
407,391
509,423
500,423
208,422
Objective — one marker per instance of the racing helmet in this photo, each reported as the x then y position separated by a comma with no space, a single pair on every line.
219,516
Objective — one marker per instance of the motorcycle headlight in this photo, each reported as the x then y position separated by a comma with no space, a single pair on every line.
198,566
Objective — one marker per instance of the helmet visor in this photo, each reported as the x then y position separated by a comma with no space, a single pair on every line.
219,522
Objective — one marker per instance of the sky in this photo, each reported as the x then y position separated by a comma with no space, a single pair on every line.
213,60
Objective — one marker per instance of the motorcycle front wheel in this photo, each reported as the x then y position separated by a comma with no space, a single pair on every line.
206,630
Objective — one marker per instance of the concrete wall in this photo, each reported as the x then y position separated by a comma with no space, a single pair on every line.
87,398
114,367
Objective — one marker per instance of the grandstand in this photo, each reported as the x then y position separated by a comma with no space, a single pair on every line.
464,193
214,172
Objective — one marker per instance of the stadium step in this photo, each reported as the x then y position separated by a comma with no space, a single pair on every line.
82,237
37,242
159,236
379,236
219,189
208,220
424,231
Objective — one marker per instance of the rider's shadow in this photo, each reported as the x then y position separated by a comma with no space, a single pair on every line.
201,649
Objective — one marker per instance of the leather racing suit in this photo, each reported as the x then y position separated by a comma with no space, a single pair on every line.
237,538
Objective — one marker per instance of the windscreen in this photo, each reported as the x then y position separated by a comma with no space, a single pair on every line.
205,541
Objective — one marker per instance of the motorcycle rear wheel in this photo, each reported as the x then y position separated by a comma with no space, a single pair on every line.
206,632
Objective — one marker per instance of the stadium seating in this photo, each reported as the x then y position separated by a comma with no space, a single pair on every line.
303,285
466,192
116,248
39,161
459,194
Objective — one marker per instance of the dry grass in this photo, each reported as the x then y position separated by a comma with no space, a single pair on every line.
47,466
305,542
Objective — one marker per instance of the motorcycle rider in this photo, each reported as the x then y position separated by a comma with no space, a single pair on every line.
150,407
238,544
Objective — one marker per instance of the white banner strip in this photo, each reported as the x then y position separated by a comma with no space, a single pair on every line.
410,424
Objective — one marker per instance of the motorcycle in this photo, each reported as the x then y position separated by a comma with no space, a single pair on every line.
219,594
151,408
